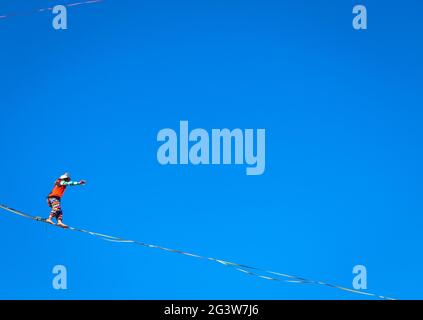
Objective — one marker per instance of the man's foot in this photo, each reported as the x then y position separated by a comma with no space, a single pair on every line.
61,224
49,221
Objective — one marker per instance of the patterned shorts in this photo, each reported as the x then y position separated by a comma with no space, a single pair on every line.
56,208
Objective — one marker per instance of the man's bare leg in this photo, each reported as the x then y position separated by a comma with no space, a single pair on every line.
49,219
61,224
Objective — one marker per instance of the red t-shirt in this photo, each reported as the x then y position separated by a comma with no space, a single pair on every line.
58,190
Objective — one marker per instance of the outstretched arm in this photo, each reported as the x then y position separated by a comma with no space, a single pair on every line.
72,183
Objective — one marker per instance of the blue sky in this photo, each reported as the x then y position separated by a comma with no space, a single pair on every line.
342,113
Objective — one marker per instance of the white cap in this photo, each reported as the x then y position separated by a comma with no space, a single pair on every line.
65,176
